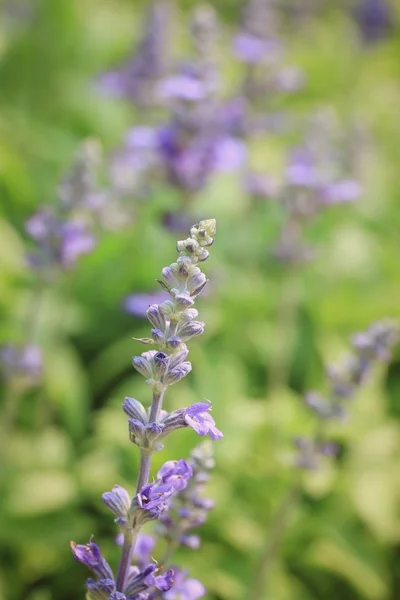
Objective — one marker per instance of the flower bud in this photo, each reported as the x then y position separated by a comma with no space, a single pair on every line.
118,501
178,357
184,266
174,375
174,342
183,301
169,275
161,361
191,329
157,336
156,317
137,433
209,226
189,314
134,409
196,279
202,254
167,307
188,246
142,365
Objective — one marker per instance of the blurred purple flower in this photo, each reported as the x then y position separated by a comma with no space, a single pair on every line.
135,80
374,18
24,362
252,49
198,418
184,588
137,304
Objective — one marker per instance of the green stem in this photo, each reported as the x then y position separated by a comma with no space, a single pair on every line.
272,542
285,320
8,416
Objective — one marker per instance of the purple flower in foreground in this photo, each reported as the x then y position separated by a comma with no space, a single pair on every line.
184,589
143,581
153,499
90,555
176,473
198,418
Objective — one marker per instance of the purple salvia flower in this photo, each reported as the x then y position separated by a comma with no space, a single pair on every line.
100,590
184,588
90,556
146,581
198,418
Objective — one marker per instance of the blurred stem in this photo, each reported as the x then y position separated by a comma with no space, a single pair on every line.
271,546
279,370
126,557
8,416
12,391
286,315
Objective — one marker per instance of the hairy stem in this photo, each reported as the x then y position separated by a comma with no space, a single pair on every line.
156,406
143,478
144,469
272,542
126,558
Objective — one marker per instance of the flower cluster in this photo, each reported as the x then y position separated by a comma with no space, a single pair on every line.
62,233
374,344
315,177
189,507
174,323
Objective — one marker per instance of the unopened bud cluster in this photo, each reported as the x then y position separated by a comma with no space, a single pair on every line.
175,321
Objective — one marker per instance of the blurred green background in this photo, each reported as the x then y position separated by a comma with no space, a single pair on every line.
69,441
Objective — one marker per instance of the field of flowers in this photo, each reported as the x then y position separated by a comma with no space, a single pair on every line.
263,136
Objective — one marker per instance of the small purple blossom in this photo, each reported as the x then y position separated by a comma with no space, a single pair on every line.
147,580
90,555
198,418
184,588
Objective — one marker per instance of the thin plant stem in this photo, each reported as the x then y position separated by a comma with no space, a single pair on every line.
126,557
144,470
273,541
156,406
8,415
286,316
143,478
12,391
279,369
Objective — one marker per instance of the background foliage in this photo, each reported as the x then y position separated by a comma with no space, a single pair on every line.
70,443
